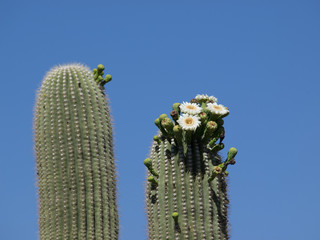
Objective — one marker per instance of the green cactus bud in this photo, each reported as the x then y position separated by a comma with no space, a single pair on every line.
230,159
174,114
167,122
148,163
168,125
232,153
152,180
99,79
176,107
100,68
203,117
211,127
157,122
175,217
107,78
157,139
177,131
163,116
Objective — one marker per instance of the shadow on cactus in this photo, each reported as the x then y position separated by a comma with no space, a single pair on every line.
74,151
186,190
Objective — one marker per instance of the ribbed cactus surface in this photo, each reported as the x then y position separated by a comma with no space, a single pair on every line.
186,190
74,152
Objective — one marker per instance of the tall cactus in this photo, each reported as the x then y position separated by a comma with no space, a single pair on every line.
186,193
74,152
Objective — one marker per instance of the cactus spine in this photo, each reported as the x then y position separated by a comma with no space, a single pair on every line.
186,190
74,152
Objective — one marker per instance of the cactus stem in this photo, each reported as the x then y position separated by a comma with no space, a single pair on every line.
74,155
191,178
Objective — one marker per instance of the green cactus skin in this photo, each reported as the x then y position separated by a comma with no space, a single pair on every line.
189,201
74,152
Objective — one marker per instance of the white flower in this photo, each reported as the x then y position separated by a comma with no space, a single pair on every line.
189,122
205,97
201,97
217,108
213,99
190,108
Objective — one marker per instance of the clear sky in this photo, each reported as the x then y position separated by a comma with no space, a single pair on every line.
259,58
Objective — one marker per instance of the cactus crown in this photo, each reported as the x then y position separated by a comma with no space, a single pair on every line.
200,119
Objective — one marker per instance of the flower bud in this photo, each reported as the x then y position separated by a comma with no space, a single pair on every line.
174,114
176,106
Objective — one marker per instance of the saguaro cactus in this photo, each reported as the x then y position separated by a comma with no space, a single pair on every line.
74,151
186,189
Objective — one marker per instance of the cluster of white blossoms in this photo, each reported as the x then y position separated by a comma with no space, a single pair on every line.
205,97
190,120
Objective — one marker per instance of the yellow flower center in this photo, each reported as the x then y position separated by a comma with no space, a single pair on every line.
217,107
191,107
189,121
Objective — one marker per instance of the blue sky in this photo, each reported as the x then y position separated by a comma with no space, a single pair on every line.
259,58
